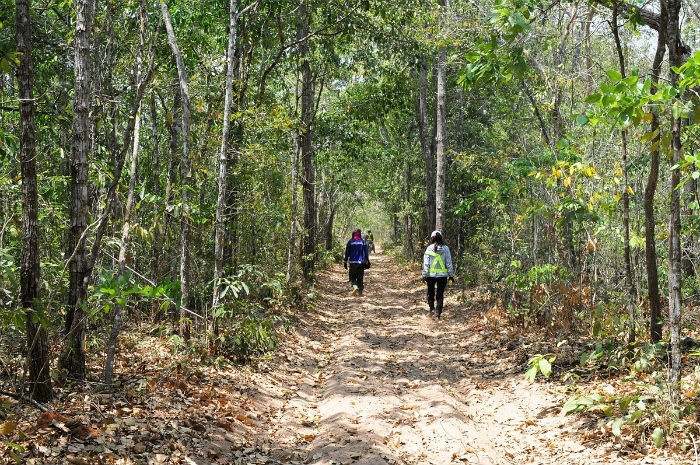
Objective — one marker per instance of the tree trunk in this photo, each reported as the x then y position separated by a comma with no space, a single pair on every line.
219,223
426,149
441,133
674,268
308,181
40,388
408,215
174,125
73,357
186,171
156,244
631,287
655,317
128,208
291,253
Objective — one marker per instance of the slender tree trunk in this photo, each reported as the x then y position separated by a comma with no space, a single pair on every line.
308,181
185,327
655,316
156,244
631,287
73,357
408,215
219,233
441,134
40,388
128,211
294,211
426,149
675,298
174,136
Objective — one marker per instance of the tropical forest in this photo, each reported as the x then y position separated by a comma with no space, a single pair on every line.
181,182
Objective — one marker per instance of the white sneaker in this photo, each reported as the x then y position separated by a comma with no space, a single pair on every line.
355,291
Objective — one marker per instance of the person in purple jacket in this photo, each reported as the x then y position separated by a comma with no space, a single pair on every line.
357,257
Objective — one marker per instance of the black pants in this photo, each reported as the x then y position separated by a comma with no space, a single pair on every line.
436,297
357,275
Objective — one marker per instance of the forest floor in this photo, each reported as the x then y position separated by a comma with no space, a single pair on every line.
366,380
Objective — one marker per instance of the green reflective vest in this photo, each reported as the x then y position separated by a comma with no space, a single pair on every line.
438,266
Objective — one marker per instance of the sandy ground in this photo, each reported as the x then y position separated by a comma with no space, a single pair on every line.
376,380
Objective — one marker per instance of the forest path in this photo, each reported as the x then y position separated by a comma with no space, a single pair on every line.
376,380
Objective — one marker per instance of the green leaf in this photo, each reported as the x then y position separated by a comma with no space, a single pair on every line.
531,373
579,404
582,120
545,367
614,75
593,98
617,426
658,436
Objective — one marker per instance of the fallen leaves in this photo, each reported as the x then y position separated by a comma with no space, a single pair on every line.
8,427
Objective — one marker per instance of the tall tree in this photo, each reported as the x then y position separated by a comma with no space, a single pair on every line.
426,148
631,287
305,136
222,183
655,316
142,76
676,51
186,174
441,134
40,387
73,357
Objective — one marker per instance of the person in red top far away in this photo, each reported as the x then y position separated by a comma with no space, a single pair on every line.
355,254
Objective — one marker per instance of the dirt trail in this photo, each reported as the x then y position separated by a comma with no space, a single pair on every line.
376,380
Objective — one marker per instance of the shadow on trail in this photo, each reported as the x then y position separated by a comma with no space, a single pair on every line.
392,367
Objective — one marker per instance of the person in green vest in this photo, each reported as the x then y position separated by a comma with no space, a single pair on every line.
370,241
437,269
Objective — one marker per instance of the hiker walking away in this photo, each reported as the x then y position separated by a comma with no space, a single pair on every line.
357,256
437,269
370,241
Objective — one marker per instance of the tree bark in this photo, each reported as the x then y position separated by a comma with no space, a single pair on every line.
308,181
441,134
426,149
40,388
675,298
631,287
408,215
73,357
219,223
156,244
655,317
186,171
294,226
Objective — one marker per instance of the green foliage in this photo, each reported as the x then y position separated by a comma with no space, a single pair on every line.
9,285
118,290
636,406
689,73
623,99
521,282
250,332
539,363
